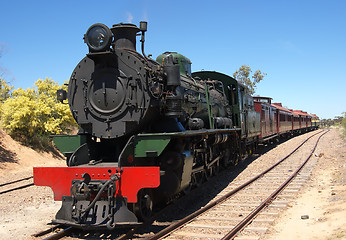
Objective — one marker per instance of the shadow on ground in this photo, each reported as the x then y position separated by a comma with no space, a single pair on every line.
7,156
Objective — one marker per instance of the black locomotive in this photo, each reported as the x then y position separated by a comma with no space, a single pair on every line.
148,130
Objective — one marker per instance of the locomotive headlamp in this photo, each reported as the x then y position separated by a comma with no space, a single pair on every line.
61,95
98,38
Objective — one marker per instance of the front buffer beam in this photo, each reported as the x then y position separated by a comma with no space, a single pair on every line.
96,196
131,179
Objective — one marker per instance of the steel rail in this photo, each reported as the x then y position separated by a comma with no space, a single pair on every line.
60,234
19,180
190,217
240,226
17,188
45,232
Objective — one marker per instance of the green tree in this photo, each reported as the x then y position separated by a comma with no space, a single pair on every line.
243,76
337,120
33,114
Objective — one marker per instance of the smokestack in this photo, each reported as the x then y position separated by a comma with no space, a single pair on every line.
125,35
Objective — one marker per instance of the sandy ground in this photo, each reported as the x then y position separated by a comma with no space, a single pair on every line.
27,211
323,199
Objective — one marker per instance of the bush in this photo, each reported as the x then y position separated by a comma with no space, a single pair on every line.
32,115
5,90
343,124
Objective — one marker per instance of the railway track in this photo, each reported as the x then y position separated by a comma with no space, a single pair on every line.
61,231
223,218
16,185
53,233
229,216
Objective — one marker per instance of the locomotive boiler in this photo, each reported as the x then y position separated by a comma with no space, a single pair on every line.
150,130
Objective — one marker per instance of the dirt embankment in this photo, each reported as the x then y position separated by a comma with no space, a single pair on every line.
26,211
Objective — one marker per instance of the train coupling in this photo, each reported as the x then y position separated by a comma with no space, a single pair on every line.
94,203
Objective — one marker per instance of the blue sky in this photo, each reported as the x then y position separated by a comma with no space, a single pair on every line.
301,45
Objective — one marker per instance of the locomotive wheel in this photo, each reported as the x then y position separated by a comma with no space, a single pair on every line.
171,160
216,168
188,189
193,180
227,162
144,206
197,179
207,173
210,172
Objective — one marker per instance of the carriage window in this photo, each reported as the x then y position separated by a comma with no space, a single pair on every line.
282,117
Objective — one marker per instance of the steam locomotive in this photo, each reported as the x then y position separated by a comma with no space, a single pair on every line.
148,130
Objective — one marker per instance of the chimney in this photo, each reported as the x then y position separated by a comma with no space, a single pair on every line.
125,35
